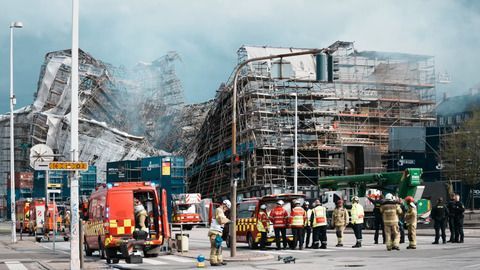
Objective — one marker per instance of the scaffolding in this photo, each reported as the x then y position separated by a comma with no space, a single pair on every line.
342,125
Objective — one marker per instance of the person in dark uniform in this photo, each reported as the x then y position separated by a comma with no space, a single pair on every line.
439,215
451,217
308,225
458,219
378,225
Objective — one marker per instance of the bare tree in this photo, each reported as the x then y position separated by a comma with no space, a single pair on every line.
461,153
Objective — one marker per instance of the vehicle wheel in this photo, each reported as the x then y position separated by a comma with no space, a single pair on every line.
66,239
151,252
101,249
38,239
251,242
113,260
88,251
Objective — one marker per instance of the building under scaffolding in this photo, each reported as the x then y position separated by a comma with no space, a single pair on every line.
343,126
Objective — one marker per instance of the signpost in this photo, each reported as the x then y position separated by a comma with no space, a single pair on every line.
68,166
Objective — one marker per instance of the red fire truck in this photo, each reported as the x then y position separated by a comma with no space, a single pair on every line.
247,212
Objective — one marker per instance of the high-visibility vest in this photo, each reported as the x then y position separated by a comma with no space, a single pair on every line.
309,214
279,217
262,221
319,216
298,217
357,213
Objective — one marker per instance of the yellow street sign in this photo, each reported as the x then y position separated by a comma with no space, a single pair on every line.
68,166
54,186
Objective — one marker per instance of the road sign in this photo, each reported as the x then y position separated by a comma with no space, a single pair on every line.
41,165
68,166
54,191
54,185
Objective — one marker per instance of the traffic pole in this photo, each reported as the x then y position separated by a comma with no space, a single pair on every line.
74,227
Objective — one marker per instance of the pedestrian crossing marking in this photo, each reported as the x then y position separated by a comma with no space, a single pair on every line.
154,262
15,265
177,259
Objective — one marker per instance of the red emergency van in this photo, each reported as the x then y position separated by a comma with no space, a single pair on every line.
111,226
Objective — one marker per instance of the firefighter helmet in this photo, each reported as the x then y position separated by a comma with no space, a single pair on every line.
409,199
263,207
280,202
227,203
389,197
355,199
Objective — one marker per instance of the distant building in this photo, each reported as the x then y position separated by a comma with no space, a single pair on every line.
453,111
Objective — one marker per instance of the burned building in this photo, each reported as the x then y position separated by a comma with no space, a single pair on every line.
343,125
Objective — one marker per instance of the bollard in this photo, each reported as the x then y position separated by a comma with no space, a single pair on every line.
200,261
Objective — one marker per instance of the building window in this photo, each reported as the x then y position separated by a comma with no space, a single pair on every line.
458,119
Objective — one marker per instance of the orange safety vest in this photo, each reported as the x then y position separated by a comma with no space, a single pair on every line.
279,217
298,217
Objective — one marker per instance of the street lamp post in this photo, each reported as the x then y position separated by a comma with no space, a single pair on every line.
233,215
13,101
295,150
75,255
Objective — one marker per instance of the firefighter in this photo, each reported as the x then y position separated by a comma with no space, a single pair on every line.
378,222
340,220
401,220
215,233
262,225
308,225
439,215
357,214
451,217
411,222
140,215
390,211
319,225
279,218
299,218
66,220
459,209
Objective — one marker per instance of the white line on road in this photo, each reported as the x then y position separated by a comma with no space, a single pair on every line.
15,265
154,262
177,259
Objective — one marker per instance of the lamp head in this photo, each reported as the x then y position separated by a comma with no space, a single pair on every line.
16,25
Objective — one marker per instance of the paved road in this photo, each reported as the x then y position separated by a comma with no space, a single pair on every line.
31,255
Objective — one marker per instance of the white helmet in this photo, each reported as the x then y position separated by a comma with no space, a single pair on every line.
263,207
306,203
280,202
355,199
227,203
389,197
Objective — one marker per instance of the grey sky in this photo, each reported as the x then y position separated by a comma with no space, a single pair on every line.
207,34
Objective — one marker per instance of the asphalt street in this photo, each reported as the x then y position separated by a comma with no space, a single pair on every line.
30,255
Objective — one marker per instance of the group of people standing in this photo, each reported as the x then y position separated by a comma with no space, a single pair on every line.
453,212
309,223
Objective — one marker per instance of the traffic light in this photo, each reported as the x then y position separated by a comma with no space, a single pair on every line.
238,168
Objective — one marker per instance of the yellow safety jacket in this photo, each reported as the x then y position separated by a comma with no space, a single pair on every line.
262,222
309,214
390,212
357,213
340,217
411,216
319,216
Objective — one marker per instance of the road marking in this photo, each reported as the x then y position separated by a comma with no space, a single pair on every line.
472,266
154,262
177,259
15,265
